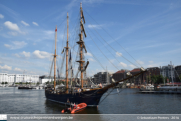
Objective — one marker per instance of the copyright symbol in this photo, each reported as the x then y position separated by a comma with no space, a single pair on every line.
138,117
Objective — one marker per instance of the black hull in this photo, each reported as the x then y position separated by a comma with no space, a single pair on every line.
24,87
91,98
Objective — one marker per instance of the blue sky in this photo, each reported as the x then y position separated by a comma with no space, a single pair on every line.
149,30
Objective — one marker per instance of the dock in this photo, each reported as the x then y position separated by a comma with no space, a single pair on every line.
160,92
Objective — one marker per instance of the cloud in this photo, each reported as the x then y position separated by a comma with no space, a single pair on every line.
41,54
123,64
16,45
150,66
5,67
26,54
17,55
12,26
132,66
118,54
94,26
1,28
140,62
1,16
18,69
36,24
13,33
91,59
88,54
6,45
26,24
150,61
49,32
112,60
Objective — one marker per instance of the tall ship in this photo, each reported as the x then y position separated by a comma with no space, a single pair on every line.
73,93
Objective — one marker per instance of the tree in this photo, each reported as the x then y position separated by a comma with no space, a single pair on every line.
6,82
157,79
37,83
179,78
153,79
63,82
2,83
47,82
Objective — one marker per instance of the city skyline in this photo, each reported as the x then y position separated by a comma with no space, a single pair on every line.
148,30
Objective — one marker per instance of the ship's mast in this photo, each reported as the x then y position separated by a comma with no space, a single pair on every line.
81,48
67,49
81,45
55,58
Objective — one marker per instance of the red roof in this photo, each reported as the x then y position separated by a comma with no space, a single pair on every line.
121,71
135,70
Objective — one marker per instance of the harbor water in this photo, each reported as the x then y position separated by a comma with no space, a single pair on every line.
128,101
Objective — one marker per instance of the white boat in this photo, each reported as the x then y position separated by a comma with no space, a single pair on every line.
148,87
167,88
40,87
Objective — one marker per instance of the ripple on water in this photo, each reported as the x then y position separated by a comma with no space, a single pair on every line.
14,101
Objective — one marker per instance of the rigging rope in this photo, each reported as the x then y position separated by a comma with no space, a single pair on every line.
62,22
116,41
111,53
177,74
113,94
61,68
51,68
96,58
102,52
113,48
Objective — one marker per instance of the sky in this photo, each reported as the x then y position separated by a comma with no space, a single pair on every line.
149,31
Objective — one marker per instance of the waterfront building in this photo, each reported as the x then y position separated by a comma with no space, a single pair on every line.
152,71
141,79
177,72
119,75
10,78
136,80
45,78
168,71
3,77
102,77
17,78
26,78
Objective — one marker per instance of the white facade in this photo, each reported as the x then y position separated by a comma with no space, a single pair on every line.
17,78
102,77
3,77
26,78
43,81
167,71
11,78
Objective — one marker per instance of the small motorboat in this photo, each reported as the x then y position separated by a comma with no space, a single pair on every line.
75,109
66,110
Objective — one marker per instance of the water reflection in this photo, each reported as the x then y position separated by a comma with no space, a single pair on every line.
56,108
129,101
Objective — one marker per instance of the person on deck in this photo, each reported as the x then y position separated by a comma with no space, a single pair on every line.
100,85
74,106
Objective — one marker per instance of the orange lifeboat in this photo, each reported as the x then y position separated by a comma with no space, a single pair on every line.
79,107
76,108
